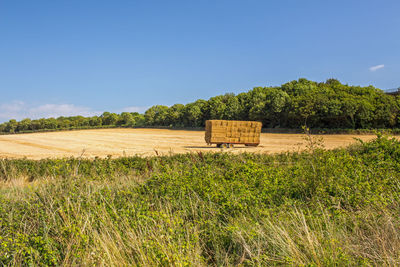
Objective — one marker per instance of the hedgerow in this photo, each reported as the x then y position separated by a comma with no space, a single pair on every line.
318,207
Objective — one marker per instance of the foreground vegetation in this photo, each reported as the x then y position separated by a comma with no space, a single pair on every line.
313,208
325,105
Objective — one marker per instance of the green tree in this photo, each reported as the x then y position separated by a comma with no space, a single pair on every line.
175,115
126,119
109,118
24,125
194,113
157,115
95,121
223,107
267,105
11,126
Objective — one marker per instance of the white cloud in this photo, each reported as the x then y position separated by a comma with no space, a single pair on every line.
134,109
19,110
377,67
53,110
12,110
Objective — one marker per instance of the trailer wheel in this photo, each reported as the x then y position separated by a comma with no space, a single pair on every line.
219,145
253,145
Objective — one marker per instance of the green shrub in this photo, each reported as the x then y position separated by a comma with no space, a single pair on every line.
314,208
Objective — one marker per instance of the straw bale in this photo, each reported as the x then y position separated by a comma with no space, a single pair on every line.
222,131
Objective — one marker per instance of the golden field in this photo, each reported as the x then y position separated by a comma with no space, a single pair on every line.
144,142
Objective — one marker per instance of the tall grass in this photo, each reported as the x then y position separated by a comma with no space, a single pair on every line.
314,208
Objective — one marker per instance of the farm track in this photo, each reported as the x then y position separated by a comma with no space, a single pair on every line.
144,142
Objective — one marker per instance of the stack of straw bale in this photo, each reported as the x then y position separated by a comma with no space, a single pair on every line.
233,132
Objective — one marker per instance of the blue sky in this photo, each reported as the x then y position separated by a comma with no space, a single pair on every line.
86,57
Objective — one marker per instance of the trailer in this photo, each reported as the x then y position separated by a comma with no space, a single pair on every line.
226,133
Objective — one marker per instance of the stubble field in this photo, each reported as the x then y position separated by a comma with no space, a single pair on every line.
144,142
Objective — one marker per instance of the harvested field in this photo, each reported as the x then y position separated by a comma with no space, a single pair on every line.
143,142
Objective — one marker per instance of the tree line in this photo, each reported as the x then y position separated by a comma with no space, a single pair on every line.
329,104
